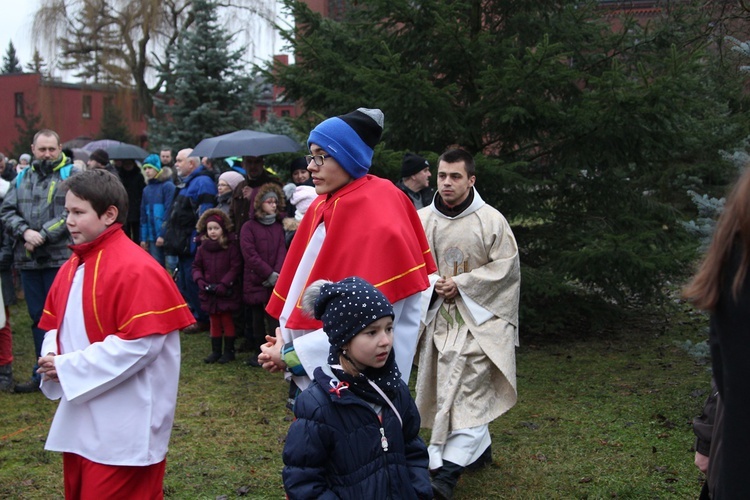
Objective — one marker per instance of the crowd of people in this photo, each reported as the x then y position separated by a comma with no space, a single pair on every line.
338,279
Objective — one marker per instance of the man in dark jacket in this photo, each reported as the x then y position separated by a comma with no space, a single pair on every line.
195,195
33,212
415,180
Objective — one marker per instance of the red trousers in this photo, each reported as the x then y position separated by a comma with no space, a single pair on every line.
6,341
87,480
221,323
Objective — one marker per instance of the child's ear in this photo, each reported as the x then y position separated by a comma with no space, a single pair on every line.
110,215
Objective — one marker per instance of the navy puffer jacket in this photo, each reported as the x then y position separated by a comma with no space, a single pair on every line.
333,449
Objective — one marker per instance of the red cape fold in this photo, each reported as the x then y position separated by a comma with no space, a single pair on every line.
125,291
372,231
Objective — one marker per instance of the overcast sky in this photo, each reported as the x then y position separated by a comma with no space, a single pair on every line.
17,19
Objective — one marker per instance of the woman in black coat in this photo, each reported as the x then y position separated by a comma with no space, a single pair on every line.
722,287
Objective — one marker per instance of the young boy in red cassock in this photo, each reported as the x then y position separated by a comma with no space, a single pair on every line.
112,348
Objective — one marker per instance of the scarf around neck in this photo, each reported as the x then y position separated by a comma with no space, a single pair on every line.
387,378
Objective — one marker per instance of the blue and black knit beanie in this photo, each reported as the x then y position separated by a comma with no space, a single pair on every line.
350,139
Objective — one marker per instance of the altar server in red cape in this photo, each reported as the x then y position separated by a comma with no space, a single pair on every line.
359,225
111,353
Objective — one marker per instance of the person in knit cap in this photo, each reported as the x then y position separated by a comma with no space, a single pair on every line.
99,158
226,184
374,450
359,225
23,162
263,252
301,198
216,270
415,180
157,199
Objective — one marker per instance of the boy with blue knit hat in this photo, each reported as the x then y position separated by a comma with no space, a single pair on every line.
358,225
158,196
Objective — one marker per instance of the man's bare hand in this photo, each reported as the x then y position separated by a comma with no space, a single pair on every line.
33,238
446,288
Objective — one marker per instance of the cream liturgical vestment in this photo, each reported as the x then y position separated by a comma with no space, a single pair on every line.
466,351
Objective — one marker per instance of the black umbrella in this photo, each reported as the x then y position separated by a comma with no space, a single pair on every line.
117,150
245,143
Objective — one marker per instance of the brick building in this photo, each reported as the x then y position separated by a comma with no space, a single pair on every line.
71,110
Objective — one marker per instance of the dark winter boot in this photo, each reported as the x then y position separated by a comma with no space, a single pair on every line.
215,351
444,482
228,350
6,377
484,459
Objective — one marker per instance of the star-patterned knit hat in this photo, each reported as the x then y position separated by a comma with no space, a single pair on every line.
346,308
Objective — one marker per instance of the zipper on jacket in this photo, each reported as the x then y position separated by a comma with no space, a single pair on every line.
50,192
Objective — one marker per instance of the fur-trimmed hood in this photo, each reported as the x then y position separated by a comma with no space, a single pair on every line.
165,174
262,190
203,221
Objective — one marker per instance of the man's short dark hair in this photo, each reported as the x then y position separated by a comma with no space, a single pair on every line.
459,155
102,189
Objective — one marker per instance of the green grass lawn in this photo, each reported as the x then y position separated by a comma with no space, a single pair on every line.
605,416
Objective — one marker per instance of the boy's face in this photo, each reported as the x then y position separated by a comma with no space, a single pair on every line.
150,172
83,223
371,346
330,177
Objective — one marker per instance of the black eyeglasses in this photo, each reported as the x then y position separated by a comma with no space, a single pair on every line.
318,159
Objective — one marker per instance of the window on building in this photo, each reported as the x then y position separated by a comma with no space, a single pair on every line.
263,116
284,113
19,103
86,109
109,102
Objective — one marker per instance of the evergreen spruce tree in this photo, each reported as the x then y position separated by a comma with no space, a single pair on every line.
113,125
11,64
37,64
208,90
585,137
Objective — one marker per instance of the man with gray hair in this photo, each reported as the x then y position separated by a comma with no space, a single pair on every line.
196,194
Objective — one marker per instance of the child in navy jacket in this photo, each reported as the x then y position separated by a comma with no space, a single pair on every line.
356,434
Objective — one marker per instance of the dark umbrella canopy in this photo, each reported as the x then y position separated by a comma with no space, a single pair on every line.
117,150
245,143
78,142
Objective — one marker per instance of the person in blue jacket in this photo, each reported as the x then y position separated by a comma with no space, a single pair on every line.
356,433
156,202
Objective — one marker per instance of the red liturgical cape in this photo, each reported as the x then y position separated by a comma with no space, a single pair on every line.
125,291
372,231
